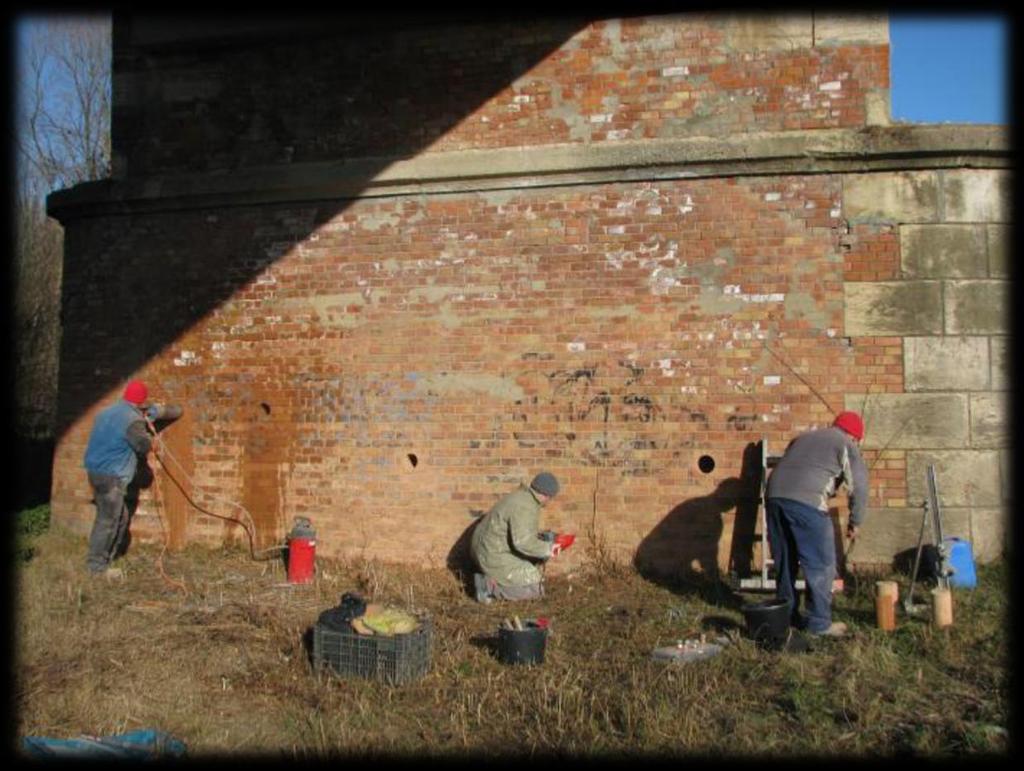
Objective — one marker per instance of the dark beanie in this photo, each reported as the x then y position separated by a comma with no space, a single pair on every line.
545,484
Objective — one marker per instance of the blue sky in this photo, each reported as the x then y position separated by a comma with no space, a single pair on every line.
946,68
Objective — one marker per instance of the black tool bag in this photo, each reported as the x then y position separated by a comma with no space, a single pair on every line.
339,619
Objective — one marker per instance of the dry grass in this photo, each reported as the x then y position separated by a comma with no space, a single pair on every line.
221,665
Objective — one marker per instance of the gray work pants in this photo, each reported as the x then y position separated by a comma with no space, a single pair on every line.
111,524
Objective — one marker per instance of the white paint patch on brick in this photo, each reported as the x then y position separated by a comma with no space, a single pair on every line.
672,72
617,230
774,297
832,85
773,196
654,210
687,207
771,380
662,280
600,118
731,289
619,134
830,333
521,99
576,347
835,213
186,359
688,389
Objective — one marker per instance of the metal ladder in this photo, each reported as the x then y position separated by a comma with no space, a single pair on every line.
764,581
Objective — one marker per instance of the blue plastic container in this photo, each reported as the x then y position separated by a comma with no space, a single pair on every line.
961,559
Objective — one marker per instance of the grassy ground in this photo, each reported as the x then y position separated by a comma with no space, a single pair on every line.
209,646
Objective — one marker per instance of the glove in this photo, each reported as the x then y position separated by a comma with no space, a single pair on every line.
564,540
556,549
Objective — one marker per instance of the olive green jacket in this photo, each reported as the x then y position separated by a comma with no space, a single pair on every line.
505,543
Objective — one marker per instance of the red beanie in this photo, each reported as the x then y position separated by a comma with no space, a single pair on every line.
851,423
136,392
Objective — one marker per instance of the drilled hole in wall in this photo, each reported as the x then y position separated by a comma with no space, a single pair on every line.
706,464
413,460
265,407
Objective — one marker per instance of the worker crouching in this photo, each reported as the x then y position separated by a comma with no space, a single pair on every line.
507,547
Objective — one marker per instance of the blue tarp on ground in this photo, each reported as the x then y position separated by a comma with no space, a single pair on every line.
143,744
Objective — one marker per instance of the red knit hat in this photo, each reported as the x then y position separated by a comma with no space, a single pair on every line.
851,423
136,392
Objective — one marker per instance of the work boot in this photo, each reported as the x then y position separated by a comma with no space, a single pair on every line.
835,629
483,594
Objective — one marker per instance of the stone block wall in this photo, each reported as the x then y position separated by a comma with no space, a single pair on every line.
945,308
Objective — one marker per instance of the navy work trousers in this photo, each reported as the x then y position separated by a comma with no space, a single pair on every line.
802,536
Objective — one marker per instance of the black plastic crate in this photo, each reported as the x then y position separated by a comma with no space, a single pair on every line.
397,659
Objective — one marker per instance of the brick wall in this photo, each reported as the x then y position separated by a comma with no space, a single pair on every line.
390,91
388,361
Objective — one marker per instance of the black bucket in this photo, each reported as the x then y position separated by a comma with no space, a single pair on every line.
767,622
522,646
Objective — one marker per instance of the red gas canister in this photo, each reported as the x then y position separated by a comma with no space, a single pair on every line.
301,552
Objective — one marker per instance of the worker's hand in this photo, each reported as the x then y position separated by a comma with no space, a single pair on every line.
851,531
556,549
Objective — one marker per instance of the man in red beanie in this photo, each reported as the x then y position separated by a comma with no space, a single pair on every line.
119,437
814,467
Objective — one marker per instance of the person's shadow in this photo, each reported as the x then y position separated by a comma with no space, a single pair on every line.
681,552
460,562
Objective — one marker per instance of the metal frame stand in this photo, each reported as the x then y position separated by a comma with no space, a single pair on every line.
930,511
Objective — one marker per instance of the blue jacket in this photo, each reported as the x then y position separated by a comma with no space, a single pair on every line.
118,437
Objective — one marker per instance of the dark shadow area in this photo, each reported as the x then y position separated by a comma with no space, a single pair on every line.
744,532
487,642
361,91
459,561
681,552
721,625
927,570
33,472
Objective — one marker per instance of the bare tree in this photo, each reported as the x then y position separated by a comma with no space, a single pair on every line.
65,136
62,138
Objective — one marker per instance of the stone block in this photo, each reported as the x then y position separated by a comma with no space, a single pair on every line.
946,363
998,358
908,421
745,32
963,477
944,251
990,419
998,250
985,528
885,308
840,29
885,533
911,196
976,195
976,307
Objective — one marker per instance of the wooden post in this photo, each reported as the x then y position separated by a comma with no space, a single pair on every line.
942,608
886,593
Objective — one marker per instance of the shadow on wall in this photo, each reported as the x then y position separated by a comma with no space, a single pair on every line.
681,552
460,562
134,283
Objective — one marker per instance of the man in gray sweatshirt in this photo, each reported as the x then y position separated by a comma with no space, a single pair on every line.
814,467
